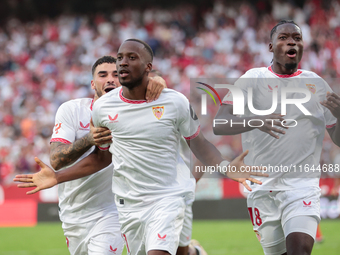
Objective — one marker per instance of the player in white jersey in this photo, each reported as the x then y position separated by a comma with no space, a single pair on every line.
87,208
148,188
285,210
150,196
86,205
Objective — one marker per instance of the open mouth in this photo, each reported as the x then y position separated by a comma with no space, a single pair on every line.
291,53
108,89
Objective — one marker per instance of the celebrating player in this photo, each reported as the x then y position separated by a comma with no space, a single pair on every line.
150,193
285,210
150,190
87,208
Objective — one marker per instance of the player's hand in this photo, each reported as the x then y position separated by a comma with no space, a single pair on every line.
271,124
244,172
154,88
44,179
99,135
332,103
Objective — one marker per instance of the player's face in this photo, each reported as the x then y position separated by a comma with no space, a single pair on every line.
132,64
287,46
105,79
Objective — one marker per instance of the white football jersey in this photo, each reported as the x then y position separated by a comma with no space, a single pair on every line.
90,197
145,147
297,151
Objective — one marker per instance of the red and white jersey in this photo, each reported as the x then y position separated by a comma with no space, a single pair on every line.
300,148
145,147
90,197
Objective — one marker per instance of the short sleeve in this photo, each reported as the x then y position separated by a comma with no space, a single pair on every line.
95,114
188,123
64,129
98,122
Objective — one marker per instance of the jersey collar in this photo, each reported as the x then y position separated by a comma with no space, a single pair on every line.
129,100
298,72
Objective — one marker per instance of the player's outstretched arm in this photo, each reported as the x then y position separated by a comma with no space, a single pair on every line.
44,179
209,155
47,177
154,88
332,102
62,155
240,172
224,118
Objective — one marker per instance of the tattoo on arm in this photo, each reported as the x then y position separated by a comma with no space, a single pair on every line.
62,155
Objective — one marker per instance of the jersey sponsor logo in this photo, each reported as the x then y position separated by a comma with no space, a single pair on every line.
271,89
57,127
162,238
113,250
158,111
84,127
305,204
67,242
311,88
114,119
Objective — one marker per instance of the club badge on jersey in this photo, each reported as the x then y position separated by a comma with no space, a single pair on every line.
158,111
311,88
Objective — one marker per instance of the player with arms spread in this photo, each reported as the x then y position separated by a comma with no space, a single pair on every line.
150,190
285,210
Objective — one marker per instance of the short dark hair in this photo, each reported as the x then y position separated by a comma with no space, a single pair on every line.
102,60
281,22
146,46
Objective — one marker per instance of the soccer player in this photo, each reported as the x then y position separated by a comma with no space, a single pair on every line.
87,208
150,189
285,210
150,194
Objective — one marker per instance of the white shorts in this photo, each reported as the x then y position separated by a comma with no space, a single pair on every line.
153,227
101,237
185,237
276,214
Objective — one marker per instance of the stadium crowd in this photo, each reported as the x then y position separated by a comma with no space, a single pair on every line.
46,62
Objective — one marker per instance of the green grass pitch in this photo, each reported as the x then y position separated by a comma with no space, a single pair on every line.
217,237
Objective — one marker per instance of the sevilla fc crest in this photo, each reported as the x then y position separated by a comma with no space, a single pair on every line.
158,111
311,88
